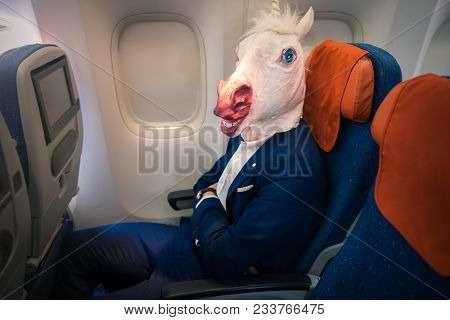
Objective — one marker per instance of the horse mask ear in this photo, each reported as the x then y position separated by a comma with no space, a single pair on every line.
305,23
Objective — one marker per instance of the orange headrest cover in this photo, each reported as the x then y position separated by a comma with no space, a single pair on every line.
339,81
412,127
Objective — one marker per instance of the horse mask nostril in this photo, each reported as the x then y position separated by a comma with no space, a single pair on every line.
242,95
243,91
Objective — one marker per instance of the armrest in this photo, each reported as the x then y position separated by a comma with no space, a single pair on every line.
183,199
249,283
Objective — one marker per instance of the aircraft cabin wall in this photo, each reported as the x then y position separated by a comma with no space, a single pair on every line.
144,93
18,25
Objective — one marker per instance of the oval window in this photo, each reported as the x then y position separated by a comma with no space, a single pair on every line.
160,75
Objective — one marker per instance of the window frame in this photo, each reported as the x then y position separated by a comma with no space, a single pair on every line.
173,129
354,24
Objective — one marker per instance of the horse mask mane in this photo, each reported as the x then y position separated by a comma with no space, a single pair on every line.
265,93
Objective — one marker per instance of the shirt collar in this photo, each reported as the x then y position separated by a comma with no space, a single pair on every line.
254,143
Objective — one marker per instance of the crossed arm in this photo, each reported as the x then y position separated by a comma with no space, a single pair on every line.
269,222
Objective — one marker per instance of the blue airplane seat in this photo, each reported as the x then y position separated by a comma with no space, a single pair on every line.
9,104
351,165
40,105
400,247
15,219
377,263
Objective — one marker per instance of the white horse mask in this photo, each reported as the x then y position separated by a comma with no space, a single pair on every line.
265,93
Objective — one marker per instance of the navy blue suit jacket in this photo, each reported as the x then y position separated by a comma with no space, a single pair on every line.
269,225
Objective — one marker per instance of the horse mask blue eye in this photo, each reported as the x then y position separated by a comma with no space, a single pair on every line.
289,56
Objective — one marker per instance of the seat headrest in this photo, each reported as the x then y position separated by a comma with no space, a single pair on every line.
339,81
413,182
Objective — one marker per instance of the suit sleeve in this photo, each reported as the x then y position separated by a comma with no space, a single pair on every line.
269,222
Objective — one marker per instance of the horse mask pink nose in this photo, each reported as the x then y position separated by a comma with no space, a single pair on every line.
266,91
233,104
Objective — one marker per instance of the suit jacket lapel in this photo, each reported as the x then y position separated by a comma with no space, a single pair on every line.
262,157
251,168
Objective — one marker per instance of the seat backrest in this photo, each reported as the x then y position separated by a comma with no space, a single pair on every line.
15,219
400,247
352,162
377,263
40,103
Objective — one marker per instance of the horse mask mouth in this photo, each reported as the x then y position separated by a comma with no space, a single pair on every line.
233,105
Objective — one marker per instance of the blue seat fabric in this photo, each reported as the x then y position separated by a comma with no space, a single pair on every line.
352,164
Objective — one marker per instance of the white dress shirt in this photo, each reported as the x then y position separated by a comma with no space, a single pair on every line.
240,157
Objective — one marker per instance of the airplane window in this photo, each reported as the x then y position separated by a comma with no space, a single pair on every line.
159,64
437,57
328,29
333,25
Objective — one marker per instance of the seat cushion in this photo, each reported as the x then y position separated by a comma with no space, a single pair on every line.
339,80
412,189
357,99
